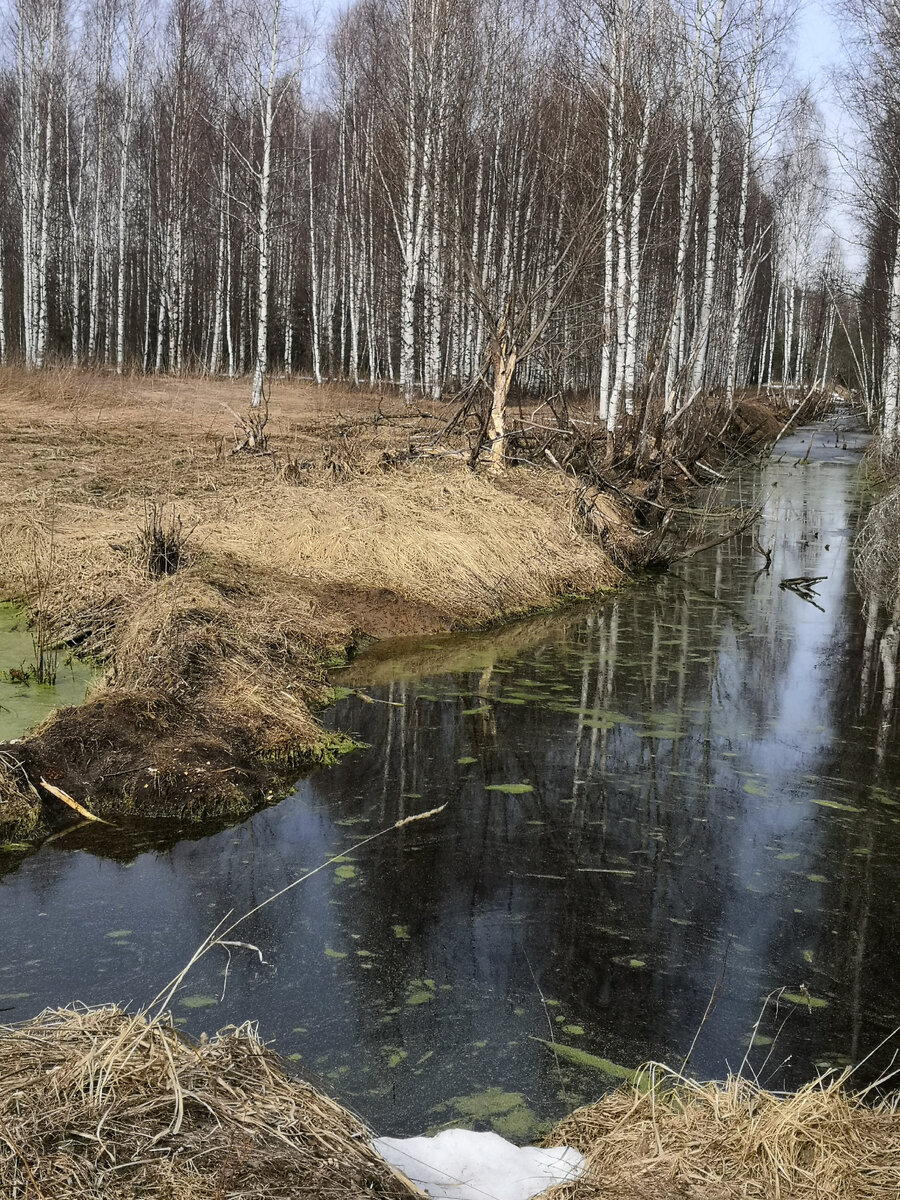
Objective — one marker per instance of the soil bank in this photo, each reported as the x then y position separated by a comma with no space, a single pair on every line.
286,562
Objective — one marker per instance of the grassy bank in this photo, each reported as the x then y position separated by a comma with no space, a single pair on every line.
217,589
673,1137
100,1104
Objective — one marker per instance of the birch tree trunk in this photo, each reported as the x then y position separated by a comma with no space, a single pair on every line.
701,346
266,101
740,268
125,135
503,365
891,384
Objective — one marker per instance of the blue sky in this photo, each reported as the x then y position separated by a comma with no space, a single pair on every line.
818,40
818,52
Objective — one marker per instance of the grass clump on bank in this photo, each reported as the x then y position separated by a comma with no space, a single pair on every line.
99,1105
669,1136
20,815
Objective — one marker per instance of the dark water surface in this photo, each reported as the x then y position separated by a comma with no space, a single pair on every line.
689,781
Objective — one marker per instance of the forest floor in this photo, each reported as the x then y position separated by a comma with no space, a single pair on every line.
211,673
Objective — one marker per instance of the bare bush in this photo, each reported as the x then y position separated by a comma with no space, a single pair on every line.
162,540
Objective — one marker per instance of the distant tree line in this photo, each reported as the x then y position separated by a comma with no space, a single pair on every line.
609,198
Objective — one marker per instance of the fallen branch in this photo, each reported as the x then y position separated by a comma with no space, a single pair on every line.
804,587
711,543
71,802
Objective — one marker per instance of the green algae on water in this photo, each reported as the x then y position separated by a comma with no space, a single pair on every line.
505,1112
804,999
24,703
834,804
583,1059
755,789
625,960
419,991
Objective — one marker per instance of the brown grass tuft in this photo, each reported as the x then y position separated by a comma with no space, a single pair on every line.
732,1141
19,813
97,1105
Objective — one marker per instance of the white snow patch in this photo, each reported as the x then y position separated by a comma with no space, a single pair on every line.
461,1165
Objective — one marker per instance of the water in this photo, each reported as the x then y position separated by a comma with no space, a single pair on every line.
689,786
24,703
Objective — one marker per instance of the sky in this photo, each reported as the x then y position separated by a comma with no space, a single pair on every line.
819,51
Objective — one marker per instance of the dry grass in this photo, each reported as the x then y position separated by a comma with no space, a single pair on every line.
290,558
97,1105
19,815
223,659
877,550
459,543
733,1141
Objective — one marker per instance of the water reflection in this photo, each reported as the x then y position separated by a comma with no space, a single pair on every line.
693,779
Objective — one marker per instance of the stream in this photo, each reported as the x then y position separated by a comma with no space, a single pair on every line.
683,790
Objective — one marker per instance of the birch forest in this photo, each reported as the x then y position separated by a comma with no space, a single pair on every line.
617,200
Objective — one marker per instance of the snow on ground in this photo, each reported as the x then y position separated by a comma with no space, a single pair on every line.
461,1165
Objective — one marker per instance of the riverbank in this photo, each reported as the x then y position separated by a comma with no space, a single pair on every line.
110,1105
217,589
670,1136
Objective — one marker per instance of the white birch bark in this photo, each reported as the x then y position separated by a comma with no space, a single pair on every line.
704,321
891,380
266,102
215,351
634,260
313,273
740,268
101,83
606,351
125,140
